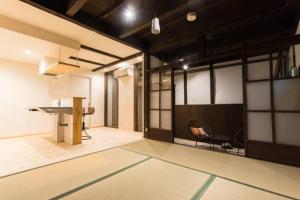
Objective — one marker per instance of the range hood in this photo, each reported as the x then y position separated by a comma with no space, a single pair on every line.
54,67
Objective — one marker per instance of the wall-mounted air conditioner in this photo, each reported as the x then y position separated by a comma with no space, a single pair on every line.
121,73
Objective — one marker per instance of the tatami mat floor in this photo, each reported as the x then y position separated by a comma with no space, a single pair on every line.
154,170
278,178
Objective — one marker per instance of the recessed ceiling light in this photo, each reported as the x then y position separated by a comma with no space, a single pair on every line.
191,16
27,52
185,67
105,69
129,14
139,58
123,64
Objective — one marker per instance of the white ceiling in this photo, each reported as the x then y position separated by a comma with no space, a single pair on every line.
14,44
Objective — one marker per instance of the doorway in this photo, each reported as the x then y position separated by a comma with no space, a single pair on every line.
138,97
111,100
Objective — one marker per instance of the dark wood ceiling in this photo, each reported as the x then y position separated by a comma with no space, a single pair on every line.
221,25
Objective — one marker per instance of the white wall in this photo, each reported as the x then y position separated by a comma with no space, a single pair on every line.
126,102
22,87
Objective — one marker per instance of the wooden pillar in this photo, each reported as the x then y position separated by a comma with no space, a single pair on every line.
77,120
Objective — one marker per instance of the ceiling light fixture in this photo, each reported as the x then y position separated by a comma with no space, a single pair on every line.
191,16
139,58
185,67
123,64
27,52
129,14
155,27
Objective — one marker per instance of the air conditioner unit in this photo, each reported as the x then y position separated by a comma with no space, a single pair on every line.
121,73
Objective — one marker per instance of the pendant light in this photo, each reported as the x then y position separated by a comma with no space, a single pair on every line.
155,28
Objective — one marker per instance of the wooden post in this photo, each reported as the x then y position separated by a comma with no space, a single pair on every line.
77,120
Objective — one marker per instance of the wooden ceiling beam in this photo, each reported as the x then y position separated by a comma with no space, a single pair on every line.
173,42
100,52
118,61
74,6
86,61
112,7
168,15
267,46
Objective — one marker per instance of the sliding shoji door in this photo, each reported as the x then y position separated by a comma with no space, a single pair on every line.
160,101
273,109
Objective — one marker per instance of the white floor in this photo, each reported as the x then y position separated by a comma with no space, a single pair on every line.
24,153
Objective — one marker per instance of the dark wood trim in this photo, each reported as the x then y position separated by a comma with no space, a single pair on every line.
160,90
74,6
228,65
258,49
99,52
259,80
118,61
280,153
135,89
294,56
240,63
260,111
172,104
275,111
185,87
287,111
272,98
159,98
161,135
245,103
212,83
86,61
261,60
162,45
105,97
285,78
112,8
167,15
146,100
162,109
